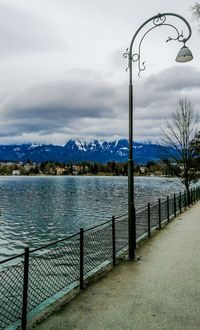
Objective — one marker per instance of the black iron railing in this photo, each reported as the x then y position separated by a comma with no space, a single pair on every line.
41,273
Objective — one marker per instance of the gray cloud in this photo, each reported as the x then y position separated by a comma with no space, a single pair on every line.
161,91
51,107
176,78
90,107
23,31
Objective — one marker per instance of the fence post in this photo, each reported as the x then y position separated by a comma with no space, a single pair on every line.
175,205
180,209
168,208
25,289
149,221
189,197
185,201
81,258
159,213
113,241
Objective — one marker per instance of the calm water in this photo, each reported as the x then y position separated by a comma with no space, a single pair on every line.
37,210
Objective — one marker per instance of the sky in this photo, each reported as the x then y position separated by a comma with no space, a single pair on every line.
63,75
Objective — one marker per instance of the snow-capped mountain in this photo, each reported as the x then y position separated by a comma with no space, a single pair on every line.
75,151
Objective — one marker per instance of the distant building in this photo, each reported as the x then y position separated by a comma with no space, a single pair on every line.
142,169
158,173
15,172
76,168
28,167
60,170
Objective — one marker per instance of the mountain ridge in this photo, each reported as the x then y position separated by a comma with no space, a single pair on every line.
93,151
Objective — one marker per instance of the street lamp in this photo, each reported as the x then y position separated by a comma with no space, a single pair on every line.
184,55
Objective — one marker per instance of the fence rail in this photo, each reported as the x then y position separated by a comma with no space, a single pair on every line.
37,277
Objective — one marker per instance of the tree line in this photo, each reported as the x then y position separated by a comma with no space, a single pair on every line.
61,168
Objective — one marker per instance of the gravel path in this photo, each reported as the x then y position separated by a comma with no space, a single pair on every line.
161,291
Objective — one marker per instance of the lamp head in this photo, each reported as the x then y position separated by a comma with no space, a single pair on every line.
184,55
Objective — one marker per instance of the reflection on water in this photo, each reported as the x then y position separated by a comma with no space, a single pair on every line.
37,210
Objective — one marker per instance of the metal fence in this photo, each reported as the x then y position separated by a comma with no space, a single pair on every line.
39,274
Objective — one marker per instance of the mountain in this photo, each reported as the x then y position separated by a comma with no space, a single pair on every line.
94,151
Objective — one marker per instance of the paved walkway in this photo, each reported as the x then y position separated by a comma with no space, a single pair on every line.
161,291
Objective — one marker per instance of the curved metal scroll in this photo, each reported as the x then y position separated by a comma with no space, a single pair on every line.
157,21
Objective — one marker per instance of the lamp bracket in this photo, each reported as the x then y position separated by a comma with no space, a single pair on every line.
157,21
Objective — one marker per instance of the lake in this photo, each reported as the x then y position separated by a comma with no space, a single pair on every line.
37,210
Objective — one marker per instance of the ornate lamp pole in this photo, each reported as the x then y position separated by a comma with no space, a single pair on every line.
184,55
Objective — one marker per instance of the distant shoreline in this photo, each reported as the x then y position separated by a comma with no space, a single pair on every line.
85,175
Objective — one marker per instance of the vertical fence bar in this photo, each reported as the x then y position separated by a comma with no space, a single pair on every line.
168,208
135,231
149,220
175,205
81,258
190,197
185,201
180,202
159,213
113,241
25,289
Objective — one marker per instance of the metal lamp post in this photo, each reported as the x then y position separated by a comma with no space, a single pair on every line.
184,55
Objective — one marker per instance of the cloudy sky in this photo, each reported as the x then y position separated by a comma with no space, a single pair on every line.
62,71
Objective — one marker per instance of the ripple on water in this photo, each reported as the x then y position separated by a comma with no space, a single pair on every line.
37,210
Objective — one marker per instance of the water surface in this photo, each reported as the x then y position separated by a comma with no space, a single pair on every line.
41,209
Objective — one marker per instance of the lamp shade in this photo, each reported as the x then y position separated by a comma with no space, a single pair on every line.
184,55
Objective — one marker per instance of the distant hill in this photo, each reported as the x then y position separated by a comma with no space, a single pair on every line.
94,151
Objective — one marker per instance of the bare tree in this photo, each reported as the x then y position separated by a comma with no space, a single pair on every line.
196,11
179,133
